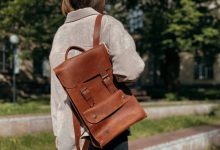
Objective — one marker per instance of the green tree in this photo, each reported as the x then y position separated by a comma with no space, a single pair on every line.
171,27
191,27
34,21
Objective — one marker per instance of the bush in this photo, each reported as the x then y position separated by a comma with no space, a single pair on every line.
171,96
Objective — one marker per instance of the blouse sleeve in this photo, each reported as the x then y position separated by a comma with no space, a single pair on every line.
127,64
53,103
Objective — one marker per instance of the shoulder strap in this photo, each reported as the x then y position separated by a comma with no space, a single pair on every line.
76,124
97,29
77,133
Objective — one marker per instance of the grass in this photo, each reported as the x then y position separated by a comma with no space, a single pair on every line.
42,106
39,141
145,128
25,107
214,147
151,127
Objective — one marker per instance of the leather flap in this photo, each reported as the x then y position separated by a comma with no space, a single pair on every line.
83,66
106,108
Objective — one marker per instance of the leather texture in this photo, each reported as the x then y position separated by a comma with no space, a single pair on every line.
103,110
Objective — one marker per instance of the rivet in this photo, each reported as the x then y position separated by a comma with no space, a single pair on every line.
123,96
94,116
107,131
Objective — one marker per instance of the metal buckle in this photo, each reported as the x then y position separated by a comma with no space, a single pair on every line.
83,90
105,76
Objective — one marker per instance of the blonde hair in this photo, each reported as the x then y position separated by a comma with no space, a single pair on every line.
70,5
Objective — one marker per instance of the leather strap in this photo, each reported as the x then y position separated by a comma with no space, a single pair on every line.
87,96
107,80
76,123
77,131
86,144
109,84
71,48
97,30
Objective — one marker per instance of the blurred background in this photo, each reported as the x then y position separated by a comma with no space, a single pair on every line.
180,87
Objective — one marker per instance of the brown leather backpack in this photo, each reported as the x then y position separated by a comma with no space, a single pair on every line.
102,109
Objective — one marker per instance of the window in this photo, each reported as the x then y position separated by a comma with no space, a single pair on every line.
40,62
203,67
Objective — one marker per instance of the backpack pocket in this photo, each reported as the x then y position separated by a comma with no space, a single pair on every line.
104,109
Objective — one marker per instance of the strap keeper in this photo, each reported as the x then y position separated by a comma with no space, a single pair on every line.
87,96
108,83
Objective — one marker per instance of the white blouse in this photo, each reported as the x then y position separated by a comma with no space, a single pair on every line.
78,31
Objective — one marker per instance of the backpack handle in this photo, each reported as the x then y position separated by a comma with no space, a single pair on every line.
71,48
96,36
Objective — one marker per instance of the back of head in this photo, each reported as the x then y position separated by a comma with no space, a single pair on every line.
71,5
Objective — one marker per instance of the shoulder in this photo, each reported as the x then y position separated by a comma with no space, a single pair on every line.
57,39
60,34
59,31
110,20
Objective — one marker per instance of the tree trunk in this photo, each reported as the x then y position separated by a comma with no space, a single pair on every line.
170,69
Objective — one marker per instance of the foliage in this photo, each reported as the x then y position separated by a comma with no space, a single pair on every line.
191,28
170,27
183,21
34,21
171,96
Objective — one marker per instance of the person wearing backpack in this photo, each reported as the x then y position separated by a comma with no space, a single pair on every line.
78,30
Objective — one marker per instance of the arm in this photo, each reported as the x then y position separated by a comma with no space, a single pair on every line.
53,104
127,64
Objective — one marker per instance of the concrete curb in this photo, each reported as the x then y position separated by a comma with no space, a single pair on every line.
24,125
16,125
166,111
197,138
